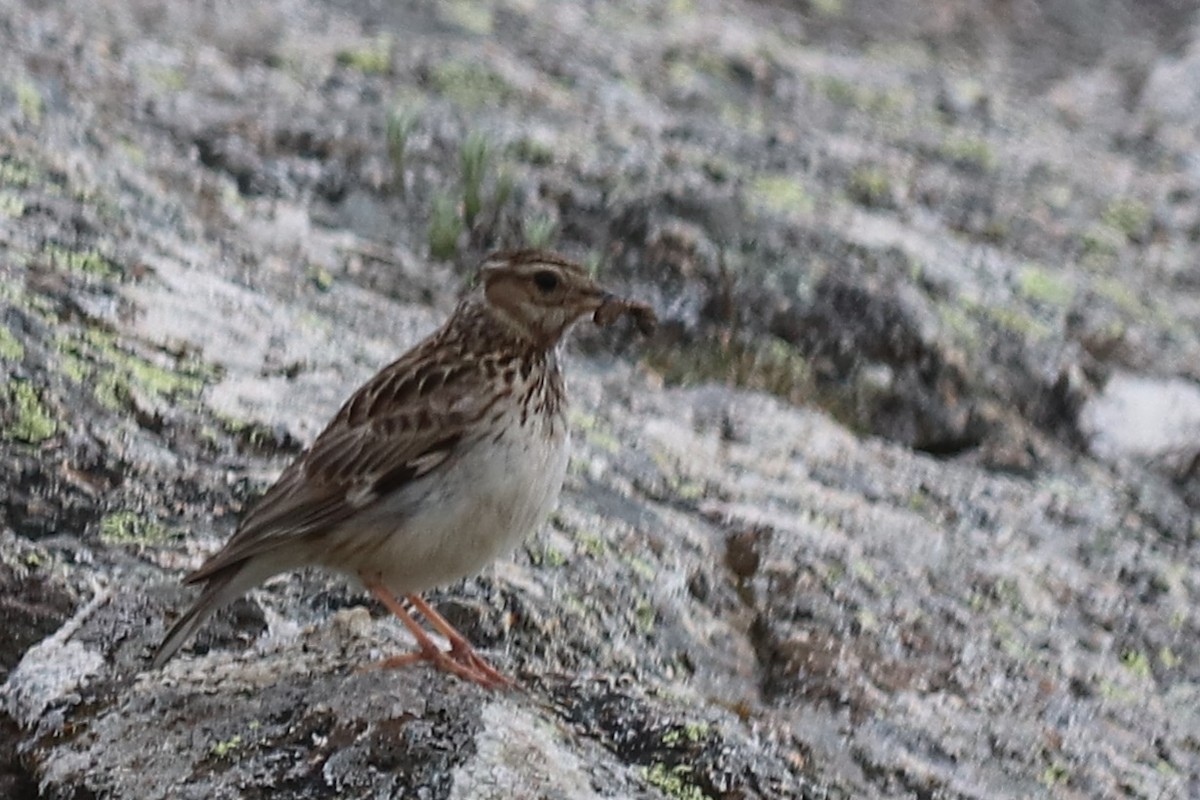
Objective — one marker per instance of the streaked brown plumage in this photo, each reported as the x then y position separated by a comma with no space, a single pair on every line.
446,458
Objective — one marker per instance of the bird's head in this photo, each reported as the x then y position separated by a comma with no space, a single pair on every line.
538,294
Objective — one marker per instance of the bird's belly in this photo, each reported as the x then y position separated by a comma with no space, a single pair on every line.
453,522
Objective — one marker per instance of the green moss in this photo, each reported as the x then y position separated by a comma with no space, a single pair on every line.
673,781
1129,216
27,418
472,17
373,57
781,193
11,206
547,556
870,186
865,99
129,527
89,262
641,567
11,348
1168,658
1101,244
1043,286
1136,662
470,85
591,544
645,615
1019,322
969,152
1056,774
167,79
320,278
226,748
690,733
18,174
1121,295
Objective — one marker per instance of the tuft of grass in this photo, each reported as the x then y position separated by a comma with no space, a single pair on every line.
29,101
400,126
445,226
473,158
539,230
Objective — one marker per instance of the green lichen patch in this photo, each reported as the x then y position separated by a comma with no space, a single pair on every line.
16,173
23,415
88,261
689,733
870,186
969,152
470,15
29,101
470,85
11,348
1129,216
373,57
1043,286
11,205
784,194
674,781
119,376
131,528
224,749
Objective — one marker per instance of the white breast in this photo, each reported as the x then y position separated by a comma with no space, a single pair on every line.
477,506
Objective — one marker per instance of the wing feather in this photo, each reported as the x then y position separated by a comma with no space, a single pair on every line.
406,421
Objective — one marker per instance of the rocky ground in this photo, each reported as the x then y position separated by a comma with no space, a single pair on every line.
900,501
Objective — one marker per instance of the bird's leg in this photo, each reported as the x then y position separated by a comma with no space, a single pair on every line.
427,649
460,649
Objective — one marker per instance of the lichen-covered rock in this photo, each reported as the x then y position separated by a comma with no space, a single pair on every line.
878,511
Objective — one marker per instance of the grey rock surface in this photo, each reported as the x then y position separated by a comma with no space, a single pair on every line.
899,502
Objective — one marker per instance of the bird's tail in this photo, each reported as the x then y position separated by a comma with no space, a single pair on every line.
219,590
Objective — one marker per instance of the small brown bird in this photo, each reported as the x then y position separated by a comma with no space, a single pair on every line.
441,462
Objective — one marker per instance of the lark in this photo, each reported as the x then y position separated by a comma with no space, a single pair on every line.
440,463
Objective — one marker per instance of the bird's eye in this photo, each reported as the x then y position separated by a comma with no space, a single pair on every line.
546,280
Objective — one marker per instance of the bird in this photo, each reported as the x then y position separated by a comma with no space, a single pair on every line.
441,462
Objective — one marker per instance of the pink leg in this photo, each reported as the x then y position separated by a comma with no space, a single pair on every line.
460,649
461,660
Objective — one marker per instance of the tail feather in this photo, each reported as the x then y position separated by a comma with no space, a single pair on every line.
220,589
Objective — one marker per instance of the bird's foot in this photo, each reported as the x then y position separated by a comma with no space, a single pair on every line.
460,661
